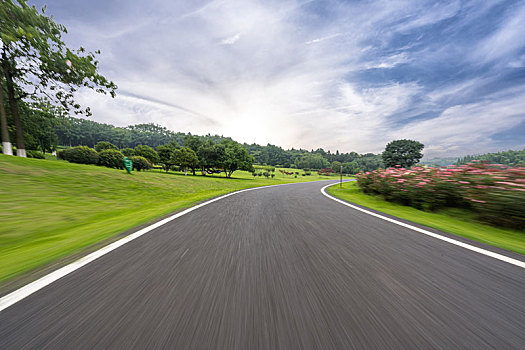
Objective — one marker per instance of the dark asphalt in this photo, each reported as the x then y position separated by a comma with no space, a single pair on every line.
277,268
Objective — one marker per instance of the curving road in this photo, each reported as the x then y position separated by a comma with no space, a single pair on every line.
277,268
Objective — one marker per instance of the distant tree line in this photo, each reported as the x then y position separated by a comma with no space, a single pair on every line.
72,131
510,158
44,129
439,161
352,162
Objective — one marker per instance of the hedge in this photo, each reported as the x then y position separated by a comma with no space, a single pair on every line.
79,154
495,192
35,154
140,163
111,158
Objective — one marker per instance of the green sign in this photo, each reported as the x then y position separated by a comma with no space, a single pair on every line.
128,164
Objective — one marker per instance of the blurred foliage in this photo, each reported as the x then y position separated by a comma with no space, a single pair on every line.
496,193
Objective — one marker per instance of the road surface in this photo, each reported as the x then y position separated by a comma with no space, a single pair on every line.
277,268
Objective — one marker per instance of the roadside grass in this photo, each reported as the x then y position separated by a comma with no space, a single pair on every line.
53,209
454,220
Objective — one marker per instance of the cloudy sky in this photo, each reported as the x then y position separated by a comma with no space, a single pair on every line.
341,75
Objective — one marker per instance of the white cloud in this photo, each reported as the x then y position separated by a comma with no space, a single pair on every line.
390,61
507,39
231,40
278,72
429,16
467,129
317,40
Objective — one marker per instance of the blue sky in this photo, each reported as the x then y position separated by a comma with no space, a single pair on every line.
341,75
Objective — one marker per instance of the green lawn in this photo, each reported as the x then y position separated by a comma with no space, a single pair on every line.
52,209
456,221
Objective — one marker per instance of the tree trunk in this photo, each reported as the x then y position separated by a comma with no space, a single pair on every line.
13,102
6,142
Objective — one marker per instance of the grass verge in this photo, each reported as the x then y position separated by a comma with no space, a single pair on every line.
456,221
52,209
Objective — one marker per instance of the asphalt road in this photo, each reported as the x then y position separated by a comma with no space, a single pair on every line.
277,268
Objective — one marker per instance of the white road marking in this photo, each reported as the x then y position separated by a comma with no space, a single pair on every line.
428,233
27,290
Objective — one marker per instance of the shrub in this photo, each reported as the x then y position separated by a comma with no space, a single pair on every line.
128,152
266,174
103,145
325,172
35,154
285,172
254,174
273,175
494,192
148,153
79,154
61,154
111,158
140,163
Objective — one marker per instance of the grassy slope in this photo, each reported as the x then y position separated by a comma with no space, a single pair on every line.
51,209
456,221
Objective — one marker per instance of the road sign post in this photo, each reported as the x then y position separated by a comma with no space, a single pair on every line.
128,164
341,177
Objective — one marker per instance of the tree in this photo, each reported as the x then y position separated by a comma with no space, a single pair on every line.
369,162
511,158
39,126
165,153
140,163
311,161
35,63
128,152
236,157
192,142
103,145
336,166
210,156
148,153
6,141
404,153
185,158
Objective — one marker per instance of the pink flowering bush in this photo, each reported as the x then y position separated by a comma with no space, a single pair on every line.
495,192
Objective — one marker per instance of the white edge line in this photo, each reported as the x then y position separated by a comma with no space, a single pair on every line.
428,233
25,291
